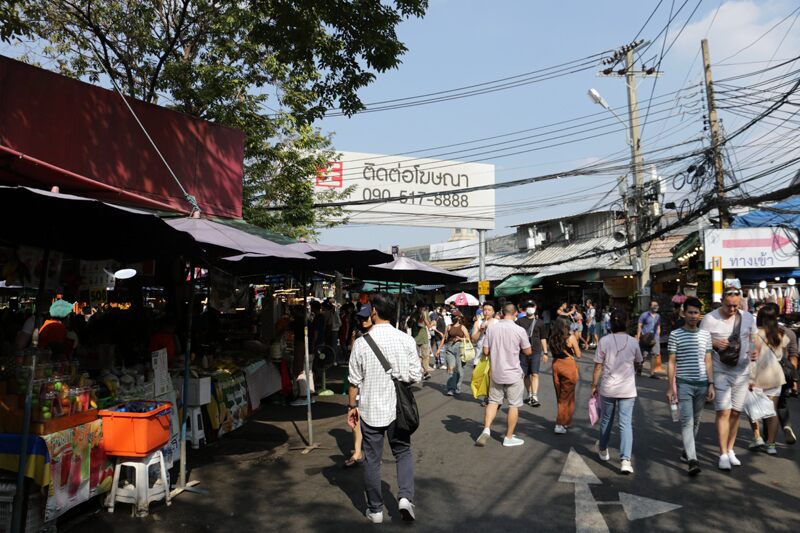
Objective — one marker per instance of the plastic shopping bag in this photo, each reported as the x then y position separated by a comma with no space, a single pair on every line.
480,378
594,409
758,406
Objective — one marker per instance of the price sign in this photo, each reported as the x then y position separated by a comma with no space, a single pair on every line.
98,295
483,288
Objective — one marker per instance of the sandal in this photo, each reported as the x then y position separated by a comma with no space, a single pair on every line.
352,463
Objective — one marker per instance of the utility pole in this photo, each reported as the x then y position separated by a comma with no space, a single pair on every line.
481,261
716,138
637,208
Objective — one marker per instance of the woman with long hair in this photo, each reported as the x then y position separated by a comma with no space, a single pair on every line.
616,358
564,349
773,342
453,337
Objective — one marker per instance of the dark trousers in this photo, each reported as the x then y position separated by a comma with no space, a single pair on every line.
372,445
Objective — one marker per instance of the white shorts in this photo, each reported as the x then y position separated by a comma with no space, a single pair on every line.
731,390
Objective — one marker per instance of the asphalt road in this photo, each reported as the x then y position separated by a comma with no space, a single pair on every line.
256,483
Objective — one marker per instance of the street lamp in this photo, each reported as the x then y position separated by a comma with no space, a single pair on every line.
595,97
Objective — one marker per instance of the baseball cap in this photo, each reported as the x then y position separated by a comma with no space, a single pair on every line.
529,303
365,311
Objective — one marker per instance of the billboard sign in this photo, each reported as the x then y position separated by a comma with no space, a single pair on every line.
751,248
378,177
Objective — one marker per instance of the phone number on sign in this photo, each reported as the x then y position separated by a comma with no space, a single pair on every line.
407,197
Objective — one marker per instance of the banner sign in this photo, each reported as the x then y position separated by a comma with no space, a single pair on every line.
79,467
751,248
372,176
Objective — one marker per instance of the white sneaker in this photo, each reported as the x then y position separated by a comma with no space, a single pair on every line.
559,429
483,438
724,462
443,367
407,510
375,518
603,454
734,460
625,466
513,441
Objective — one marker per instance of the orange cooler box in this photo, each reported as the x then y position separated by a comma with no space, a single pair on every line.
136,428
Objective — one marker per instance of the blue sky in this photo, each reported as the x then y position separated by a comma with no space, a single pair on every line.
461,43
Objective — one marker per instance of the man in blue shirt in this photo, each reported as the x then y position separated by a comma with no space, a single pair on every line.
648,334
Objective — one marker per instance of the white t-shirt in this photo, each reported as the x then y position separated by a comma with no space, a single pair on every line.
722,329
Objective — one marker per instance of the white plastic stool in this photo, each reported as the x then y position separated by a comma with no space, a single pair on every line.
140,494
195,432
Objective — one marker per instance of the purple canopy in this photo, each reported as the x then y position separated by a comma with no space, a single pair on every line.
406,270
221,240
332,256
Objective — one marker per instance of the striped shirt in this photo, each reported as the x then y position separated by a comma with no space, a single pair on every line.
690,349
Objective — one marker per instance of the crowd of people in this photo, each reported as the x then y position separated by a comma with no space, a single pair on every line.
728,356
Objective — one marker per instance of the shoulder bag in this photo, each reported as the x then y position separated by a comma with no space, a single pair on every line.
767,372
407,418
730,355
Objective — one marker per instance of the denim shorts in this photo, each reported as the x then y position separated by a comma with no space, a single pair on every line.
530,363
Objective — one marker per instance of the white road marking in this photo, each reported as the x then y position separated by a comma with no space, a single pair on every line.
588,518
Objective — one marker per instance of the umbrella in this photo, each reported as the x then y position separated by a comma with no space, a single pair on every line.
222,240
87,228
331,256
462,299
406,270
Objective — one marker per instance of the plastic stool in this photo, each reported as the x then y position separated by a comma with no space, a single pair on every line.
140,494
195,432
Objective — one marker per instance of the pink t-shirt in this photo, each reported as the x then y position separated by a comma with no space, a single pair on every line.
617,354
505,340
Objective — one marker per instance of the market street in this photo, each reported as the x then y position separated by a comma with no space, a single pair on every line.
255,483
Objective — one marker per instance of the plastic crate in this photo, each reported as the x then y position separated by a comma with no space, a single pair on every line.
136,428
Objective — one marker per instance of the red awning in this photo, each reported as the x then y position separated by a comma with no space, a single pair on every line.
59,131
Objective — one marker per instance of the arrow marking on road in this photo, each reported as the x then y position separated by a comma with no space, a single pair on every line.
588,518
576,471
637,507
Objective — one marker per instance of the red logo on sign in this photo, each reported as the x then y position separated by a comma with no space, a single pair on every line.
332,176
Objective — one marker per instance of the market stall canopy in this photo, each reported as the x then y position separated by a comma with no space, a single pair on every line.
87,228
516,284
341,257
786,214
221,240
406,270
249,265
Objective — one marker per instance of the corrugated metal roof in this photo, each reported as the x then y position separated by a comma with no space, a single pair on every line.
540,262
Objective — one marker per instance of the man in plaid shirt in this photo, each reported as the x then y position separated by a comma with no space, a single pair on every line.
377,409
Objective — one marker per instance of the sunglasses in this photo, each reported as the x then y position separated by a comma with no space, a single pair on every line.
733,293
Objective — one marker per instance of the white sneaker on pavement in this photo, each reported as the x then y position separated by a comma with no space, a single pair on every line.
375,518
603,454
406,510
483,438
559,429
513,441
625,466
724,462
734,460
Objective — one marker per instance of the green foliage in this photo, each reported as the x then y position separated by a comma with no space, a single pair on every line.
267,67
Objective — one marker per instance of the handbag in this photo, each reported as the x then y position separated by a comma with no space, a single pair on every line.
730,355
407,418
594,409
767,372
467,351
480,378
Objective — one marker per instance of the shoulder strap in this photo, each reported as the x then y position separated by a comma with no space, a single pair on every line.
737,325
386,366
530,328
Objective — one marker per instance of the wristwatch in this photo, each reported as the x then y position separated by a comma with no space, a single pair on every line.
352,407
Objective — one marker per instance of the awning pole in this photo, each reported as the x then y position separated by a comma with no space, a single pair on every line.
310,445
